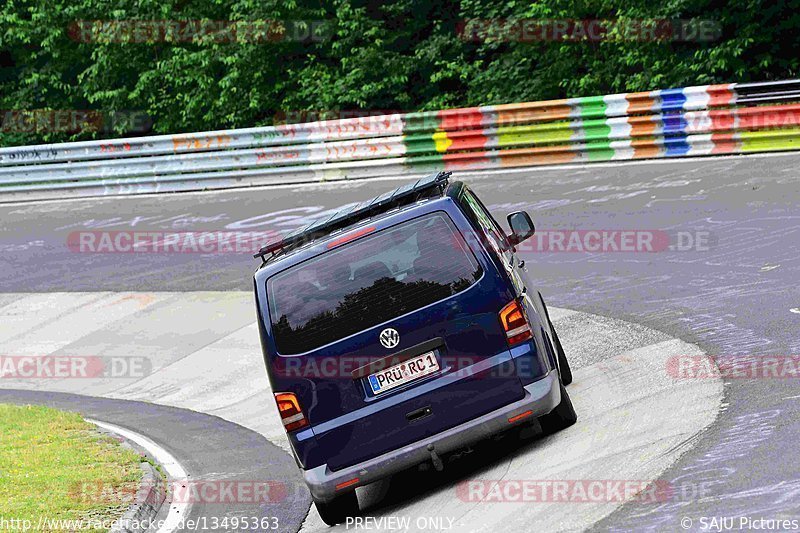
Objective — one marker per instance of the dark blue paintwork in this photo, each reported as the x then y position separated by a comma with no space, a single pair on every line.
479,374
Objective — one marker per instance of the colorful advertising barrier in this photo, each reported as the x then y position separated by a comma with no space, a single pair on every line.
692,121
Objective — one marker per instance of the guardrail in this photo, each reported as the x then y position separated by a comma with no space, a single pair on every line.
704,120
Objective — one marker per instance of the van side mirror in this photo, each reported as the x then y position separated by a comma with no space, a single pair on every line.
521,227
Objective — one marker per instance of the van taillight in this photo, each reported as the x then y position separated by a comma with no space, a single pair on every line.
515,323
289,408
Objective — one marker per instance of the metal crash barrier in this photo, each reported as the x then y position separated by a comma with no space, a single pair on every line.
692,121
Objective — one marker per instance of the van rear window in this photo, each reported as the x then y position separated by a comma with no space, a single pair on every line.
369,281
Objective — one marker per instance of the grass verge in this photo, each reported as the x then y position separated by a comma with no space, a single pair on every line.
56,466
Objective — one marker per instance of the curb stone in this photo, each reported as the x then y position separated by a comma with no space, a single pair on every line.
152,492
149,499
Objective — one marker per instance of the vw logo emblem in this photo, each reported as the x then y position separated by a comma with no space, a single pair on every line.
389,338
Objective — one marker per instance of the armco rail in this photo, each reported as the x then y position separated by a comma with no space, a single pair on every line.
705,120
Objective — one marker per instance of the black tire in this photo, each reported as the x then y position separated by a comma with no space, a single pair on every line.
563,416
563,364
339,509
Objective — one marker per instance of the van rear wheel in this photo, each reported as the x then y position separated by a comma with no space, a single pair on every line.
563,364
337,510
563,416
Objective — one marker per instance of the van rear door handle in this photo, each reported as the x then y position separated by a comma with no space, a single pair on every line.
419,413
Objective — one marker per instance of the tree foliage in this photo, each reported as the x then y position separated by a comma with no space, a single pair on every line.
402,56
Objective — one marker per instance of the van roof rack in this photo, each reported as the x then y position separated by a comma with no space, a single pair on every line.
407,194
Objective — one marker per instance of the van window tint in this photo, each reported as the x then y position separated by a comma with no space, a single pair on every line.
369,281
493,232
494,235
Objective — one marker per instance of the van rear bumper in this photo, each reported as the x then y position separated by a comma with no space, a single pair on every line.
541,397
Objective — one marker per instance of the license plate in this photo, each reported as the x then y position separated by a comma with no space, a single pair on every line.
402,373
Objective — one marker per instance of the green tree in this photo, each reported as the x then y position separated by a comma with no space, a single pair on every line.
407,55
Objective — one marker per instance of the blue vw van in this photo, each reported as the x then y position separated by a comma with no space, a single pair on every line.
400,329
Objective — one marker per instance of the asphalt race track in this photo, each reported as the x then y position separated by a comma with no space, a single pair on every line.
208,447
727,283
636,417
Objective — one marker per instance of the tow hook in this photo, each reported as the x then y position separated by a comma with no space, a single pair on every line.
437,461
